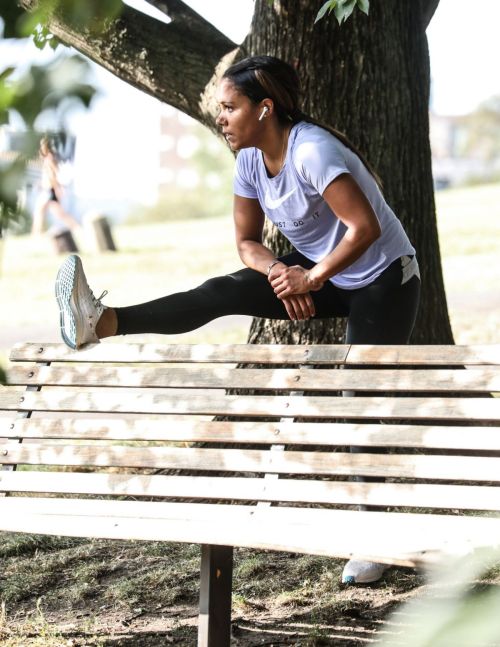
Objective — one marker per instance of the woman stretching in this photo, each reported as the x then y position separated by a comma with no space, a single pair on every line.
353,256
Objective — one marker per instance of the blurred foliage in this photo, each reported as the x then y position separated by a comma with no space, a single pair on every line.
56,86
44,87
460,608
88,15
482,127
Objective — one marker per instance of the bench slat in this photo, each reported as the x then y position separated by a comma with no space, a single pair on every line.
262,354
301,433
226,353
129,401
462,497
406,539
477,379
425,354
459,468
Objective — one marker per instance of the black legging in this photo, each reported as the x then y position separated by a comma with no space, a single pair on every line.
380,313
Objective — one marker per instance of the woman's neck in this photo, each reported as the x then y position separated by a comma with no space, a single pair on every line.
274,150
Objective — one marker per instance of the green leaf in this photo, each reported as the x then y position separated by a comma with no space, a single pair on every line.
6,73
364,6
42,37
11,182
328,6
7,91
32,20
344,9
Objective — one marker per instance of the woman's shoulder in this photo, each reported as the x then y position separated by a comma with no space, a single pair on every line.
246,157
313,143
247,164
309,132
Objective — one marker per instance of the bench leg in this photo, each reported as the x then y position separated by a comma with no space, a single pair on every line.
214,622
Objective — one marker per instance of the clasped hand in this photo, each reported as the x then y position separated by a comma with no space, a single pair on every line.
290,284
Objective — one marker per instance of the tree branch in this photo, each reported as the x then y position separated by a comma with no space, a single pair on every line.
177,63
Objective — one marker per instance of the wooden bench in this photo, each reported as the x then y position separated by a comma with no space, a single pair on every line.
126,441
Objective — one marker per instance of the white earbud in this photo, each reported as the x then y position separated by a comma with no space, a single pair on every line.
262,114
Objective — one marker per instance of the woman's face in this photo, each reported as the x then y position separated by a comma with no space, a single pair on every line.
238,117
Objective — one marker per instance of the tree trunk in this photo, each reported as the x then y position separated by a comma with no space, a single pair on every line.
369,78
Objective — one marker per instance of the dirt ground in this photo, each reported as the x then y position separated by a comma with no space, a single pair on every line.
108,594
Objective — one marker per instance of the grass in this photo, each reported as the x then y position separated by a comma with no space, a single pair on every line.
469,221
95,591
35,632
469,233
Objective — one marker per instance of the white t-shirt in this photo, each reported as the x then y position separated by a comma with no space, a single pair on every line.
293,201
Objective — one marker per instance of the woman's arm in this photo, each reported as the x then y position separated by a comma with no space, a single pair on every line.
249,224
351,206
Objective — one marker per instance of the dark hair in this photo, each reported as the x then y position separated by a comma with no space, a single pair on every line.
268,77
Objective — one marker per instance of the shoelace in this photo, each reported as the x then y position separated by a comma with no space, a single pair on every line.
97,301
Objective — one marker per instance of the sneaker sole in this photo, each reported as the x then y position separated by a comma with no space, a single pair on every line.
66,284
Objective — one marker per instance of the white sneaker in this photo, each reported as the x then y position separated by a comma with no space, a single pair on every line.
359,572
79,309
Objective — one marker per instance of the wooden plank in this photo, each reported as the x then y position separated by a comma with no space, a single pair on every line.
131,401
267,433
457,468
406,539
434,380
262,354
419,495
228,353
488,354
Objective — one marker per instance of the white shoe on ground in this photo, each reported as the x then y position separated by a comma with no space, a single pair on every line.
359,572
79,309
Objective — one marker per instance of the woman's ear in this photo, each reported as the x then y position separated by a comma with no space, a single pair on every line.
266,109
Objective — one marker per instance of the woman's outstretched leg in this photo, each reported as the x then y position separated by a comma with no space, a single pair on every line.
245,292
84,319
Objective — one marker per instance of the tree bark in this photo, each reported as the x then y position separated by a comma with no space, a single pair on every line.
369,78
